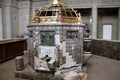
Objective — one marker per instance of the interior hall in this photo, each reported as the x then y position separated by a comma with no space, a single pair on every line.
59,39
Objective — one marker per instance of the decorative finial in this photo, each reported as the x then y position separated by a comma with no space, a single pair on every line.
79,18
56,1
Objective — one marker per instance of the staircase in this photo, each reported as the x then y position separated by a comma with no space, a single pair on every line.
69,61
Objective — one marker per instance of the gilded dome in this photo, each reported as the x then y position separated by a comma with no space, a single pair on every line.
56,12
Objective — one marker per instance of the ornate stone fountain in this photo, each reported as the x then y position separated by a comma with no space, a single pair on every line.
55,38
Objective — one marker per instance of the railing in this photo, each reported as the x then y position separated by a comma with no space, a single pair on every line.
106,48
11,48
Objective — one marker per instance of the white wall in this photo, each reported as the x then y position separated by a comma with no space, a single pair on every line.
24,14
10,19
107,20
14,19
37,5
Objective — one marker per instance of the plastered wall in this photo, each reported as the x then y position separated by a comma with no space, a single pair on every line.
24,11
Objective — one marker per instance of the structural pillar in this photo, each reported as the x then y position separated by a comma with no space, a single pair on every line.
119,24
7,20
1,25
94,22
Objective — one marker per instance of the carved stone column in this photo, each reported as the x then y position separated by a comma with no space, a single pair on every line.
119,24
94,22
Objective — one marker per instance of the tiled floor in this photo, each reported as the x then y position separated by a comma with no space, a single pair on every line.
99,68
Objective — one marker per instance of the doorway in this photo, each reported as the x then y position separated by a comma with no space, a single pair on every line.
107,31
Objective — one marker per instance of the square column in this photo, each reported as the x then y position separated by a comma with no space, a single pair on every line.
94,22
119,24
7,19
1,25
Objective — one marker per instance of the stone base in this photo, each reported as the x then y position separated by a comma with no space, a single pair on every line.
30,74
34,75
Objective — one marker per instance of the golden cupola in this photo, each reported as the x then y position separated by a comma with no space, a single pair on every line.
56,12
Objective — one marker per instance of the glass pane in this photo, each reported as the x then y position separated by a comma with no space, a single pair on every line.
72,34
47,38
73,14
55,13
68,14
63,13
49,13
43,13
